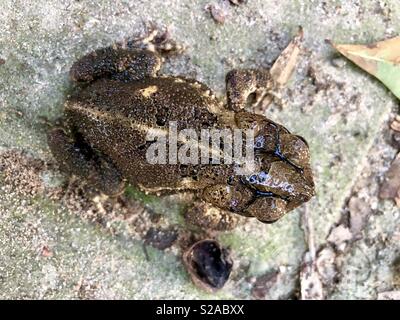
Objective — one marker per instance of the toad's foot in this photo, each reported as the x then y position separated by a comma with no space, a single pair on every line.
156,40
247,88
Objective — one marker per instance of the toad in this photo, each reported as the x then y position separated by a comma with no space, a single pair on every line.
123,97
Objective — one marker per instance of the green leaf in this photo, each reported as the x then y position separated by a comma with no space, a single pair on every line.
381,59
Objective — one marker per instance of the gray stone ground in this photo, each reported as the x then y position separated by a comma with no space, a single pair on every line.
53,247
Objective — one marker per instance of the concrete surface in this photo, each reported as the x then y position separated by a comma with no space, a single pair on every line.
340,110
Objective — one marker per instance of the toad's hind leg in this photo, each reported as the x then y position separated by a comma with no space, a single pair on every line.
131,60
78,158
116,63
247,88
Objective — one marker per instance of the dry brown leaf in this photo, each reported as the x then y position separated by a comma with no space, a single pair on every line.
284,66
380,59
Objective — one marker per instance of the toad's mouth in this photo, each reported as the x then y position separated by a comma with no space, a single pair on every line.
284,180
263,184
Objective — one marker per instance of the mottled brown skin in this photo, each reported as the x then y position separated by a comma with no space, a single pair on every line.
103,139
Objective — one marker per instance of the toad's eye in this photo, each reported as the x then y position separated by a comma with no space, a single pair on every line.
257,178
252,179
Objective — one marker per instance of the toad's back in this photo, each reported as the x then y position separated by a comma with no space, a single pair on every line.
113,117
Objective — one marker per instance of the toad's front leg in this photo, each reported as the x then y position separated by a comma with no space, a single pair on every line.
258,87
247,88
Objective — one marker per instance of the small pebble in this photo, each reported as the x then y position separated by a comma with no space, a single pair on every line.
338,62
217,13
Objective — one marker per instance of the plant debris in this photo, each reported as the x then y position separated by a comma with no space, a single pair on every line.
326,265
284,66
395,125
208,264
310,281
263,284
160,238
390,188
218,13
396,273
237,2
46,252
380,59
396,140
359,214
